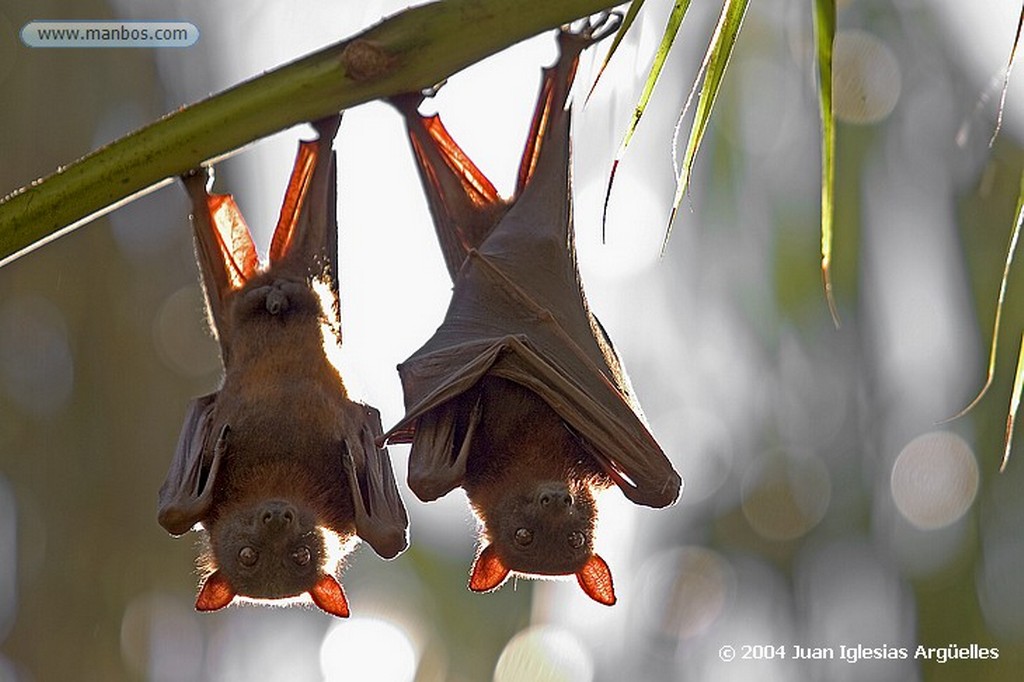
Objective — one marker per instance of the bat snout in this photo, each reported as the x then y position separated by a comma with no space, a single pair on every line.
277,515
555,498
277,301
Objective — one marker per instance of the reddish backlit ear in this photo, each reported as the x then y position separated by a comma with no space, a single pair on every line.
488,571
215,593
596,580
328,595
237,251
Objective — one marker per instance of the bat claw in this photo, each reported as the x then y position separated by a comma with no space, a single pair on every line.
434,89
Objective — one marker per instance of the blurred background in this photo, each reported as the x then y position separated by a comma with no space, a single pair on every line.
824,504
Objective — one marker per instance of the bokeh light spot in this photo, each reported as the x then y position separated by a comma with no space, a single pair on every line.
999,580
181,336
544,653
8,48
8,558
367,649
866,78
784,497
161,638
263,643
684,590
934,479
36,367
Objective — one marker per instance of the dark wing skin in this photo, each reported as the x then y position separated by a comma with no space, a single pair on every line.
381,519
187,493
518,310
304,246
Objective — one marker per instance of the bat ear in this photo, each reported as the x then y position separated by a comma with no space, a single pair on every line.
328,595
596,580
488,571
215,594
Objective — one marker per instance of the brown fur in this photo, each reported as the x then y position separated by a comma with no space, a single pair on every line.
287,407
521,451
522,441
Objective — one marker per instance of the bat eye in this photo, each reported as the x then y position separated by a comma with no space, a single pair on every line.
247,556
576,539
301,556
524,536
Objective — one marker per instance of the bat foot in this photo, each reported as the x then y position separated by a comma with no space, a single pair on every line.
595,29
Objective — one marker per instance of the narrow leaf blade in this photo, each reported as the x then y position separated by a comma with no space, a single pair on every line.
668,37
627,21
1006,78
1010,252
716,59
1018,385
824,35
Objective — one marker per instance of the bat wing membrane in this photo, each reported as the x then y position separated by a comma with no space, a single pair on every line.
380,516
437,460
187,492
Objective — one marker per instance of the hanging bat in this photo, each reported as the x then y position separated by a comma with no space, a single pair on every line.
519,397
279,466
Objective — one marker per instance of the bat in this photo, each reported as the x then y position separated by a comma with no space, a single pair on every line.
279,467
519,397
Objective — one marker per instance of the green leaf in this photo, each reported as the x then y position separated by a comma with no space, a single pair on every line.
1006,78
1010,251
627,21
675,19
1018,385
712,69
824,35
407,52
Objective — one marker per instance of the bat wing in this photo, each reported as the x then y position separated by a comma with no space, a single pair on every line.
187,492
518,311
440,449
381,519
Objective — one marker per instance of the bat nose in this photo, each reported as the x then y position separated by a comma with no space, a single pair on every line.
277,301
277,514
555,498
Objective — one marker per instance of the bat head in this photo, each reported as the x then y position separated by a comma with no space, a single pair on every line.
546,530
270,550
